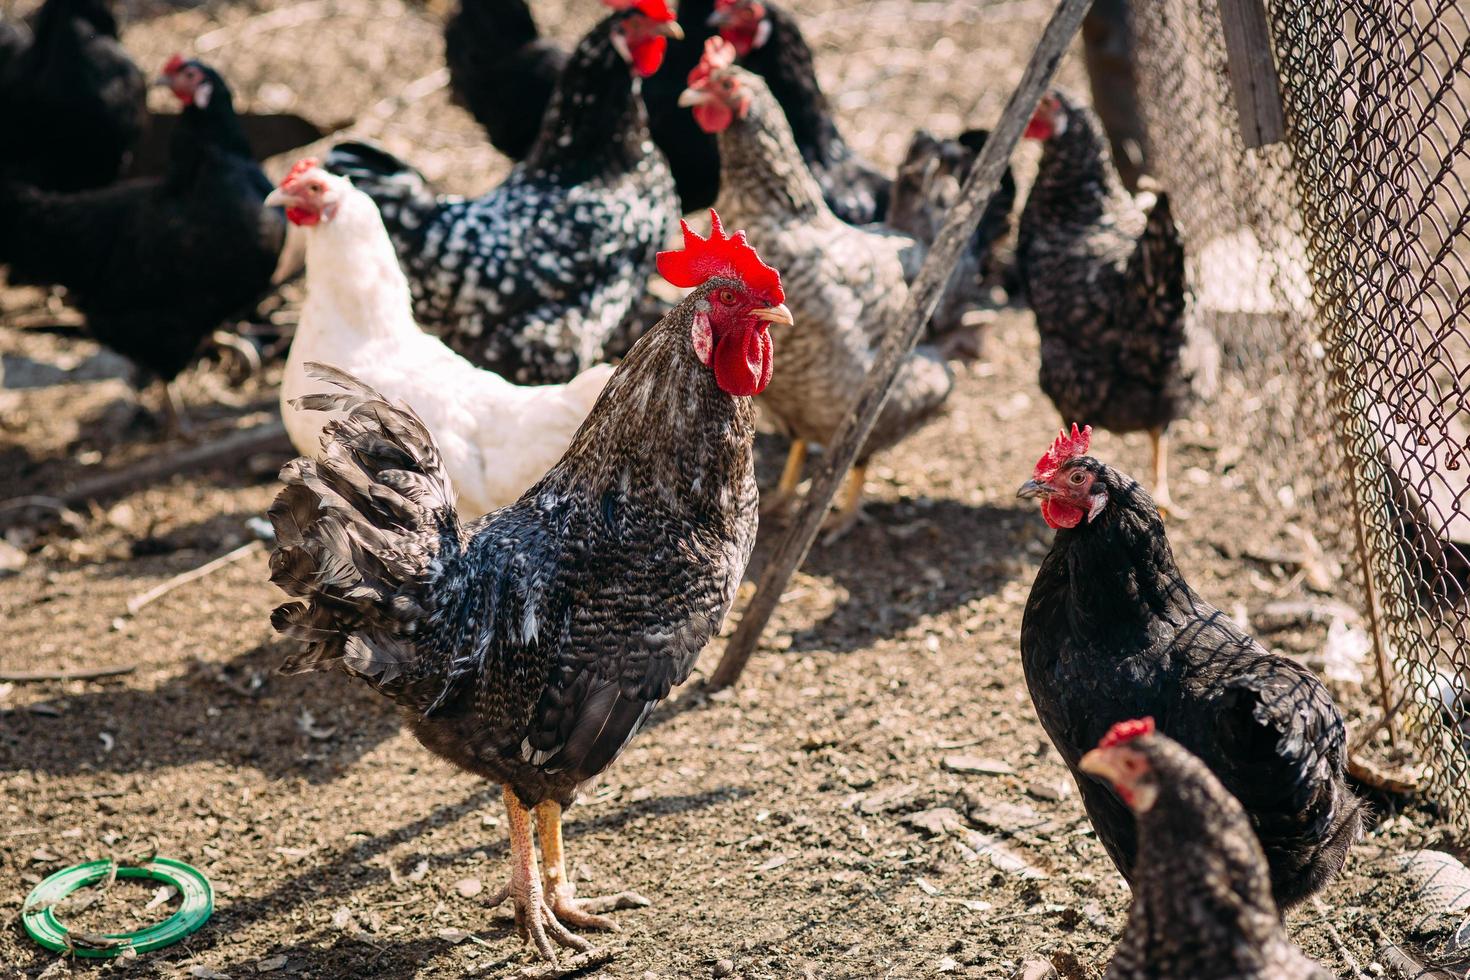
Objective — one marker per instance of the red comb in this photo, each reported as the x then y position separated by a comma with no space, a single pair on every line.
652,9
301,167
1064,447
1126,731
719,255
172,66
719,54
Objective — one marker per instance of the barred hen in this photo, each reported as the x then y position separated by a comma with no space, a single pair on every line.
1112,629
531,279
1202,905
852,283
71,100
1105,277
529,646
156,264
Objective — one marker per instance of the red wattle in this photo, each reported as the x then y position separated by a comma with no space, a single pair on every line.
301,216
1037,129
743,361
648,55
1060,514
742,36
713,116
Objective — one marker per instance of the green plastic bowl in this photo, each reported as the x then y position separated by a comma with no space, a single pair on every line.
195,909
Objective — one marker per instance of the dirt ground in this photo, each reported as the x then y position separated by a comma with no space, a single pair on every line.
786,827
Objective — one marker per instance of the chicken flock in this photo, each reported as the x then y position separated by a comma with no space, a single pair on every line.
521,510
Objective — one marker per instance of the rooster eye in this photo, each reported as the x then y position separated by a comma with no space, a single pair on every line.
1076,478
726,296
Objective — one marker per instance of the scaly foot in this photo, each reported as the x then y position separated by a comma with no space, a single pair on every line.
585,913
535,919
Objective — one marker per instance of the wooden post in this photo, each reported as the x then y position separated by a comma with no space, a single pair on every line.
1253,77
902,336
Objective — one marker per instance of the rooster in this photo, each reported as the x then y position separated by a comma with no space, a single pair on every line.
1202,904
530,645
156,264
71,100
1106,279
1112,628
531,279
496,438
853,281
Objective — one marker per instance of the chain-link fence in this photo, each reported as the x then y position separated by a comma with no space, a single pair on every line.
1335,268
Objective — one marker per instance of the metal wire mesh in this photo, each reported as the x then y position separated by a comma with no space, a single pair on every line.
1335,267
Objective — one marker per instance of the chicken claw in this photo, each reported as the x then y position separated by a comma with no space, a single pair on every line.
849,508
559,887
535,920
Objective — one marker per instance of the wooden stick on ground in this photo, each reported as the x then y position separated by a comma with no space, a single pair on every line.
901,338
80,674
162,589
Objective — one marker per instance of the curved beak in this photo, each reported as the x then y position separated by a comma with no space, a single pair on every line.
775,314
279,198
1034,489
691,97
1098,762
671,29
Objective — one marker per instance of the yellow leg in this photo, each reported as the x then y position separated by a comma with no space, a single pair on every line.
1159,439
534,917
785,491
560,891
849,504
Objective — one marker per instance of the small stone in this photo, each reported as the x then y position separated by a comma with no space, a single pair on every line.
12,559
723,968
469,887
972,765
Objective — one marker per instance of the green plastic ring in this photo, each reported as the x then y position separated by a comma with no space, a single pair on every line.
194,911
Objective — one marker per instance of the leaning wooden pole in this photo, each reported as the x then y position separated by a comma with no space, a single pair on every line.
924,294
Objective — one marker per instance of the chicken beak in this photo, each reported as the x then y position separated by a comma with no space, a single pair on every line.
691,97
1098,762
671,29
1033,489
775,314
279,198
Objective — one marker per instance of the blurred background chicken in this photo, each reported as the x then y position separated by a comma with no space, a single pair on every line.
71,100
531,279
156,264
1104,273
530,646
1112,629
1202,905
496,438
852,283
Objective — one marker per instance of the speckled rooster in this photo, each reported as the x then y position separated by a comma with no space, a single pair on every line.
1104,273
529,646
532,279
853,288
1202,905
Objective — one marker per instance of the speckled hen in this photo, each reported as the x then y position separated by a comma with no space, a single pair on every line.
531,279
1202,905
529,646
1112,630
1105,276
850,284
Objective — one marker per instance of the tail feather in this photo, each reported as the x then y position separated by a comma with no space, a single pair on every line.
360,536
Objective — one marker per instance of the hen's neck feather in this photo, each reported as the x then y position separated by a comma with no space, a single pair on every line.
760,162
1076,180
352,274
785,61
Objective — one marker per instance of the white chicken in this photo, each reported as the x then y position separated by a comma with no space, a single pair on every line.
497,438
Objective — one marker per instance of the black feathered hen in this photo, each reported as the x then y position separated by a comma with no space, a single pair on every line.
533,278
502,70
530,645
1202,905
1120,348
71,100
1112,630
156,264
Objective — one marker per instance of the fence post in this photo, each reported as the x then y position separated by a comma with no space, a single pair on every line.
1253,76
902,336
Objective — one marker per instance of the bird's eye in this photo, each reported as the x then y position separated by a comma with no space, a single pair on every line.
1077,478
726,296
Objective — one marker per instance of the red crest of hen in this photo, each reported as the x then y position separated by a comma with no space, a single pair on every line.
1063,448
719,255
1127,731
652,9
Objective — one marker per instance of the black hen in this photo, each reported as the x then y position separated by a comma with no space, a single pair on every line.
71,101
502,70
529,646
1105,276
1112,630
532,279
156,264
1202,904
